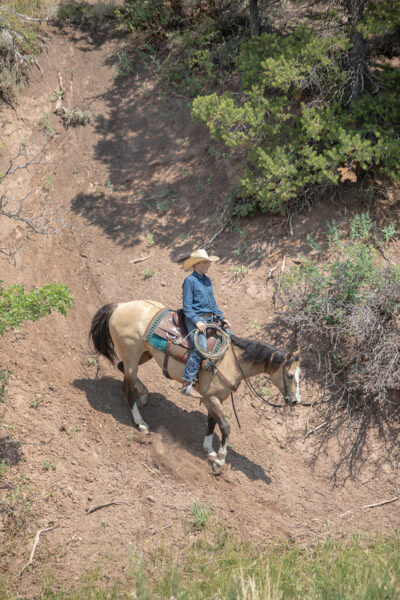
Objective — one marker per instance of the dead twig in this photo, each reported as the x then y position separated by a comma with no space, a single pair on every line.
138,260
35,543
270,274
381,503
26,18
278,285
152,472
42,219
162,529
92,509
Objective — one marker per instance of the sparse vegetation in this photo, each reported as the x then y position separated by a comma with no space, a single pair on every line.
238,270
125,66
47,126
47,182
359,567
150,239
75,117
345,304
3,384
35,403
19,44
148,273
47,465
200,515
74,12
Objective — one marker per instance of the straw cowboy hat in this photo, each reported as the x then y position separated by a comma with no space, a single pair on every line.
196,257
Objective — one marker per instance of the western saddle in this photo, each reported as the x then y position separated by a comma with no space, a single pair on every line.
167,332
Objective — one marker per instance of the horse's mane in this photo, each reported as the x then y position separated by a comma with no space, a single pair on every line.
258,352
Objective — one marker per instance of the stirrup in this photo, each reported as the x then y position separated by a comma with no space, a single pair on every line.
186,389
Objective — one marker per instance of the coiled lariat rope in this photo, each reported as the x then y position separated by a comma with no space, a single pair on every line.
225,339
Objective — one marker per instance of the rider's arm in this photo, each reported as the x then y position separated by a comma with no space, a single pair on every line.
214,308
187,296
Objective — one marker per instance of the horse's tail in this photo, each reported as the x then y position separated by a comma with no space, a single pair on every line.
100,332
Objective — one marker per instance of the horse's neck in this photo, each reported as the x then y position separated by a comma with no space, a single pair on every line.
240,368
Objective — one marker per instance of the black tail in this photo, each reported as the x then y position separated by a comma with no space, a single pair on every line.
100,332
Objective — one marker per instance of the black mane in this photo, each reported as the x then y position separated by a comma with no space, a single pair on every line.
258,352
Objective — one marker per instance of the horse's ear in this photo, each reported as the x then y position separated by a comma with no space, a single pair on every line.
296,354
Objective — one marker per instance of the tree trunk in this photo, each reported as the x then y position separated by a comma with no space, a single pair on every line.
255,25
358,52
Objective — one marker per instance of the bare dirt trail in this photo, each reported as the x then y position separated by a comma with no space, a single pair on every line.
142,168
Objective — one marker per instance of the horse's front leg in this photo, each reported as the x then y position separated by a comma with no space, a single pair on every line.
216,415
207,444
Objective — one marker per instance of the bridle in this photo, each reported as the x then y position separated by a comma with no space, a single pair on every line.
254,391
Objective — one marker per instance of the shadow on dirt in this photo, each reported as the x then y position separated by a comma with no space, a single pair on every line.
186,428
9,452
163,176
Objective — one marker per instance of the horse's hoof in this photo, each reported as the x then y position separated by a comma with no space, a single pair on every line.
143,400
217,468
212,456
144,429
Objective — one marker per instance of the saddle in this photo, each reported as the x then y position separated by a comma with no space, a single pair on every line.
168,333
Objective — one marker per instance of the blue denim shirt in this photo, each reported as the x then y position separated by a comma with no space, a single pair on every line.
198,297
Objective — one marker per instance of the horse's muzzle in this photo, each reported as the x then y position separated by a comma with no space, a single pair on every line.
290,402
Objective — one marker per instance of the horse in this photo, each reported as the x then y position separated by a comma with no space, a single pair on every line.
118,332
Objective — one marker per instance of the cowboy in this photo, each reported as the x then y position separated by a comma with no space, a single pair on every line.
200,308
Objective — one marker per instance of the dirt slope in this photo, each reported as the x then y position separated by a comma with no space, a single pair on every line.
140,168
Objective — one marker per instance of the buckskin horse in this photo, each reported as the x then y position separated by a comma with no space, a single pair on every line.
134,332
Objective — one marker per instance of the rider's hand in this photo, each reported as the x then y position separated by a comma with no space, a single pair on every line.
201,326
226,324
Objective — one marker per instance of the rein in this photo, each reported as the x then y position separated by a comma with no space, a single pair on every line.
251,387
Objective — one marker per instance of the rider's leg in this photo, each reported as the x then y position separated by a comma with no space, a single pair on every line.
194,361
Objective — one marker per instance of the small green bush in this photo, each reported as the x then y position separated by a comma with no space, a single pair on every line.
3,384
17,305
142,15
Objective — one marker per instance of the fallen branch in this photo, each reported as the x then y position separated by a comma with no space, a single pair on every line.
205,246
270,274
152,472
162,529
381,503
35,543
138,260
283,264
316,428
278,285
92,509
26,18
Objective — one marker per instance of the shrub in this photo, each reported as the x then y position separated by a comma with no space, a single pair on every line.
293,123
19,42
17,305
75,117
139,14
345,308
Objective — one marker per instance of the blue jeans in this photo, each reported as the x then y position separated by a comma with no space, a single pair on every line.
194,361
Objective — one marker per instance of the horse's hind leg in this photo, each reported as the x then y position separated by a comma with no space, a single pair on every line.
216,415
141,389
130,389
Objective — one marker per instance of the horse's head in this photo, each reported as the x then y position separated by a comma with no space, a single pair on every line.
287,378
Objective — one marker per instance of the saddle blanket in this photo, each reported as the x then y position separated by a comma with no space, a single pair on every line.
168,329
